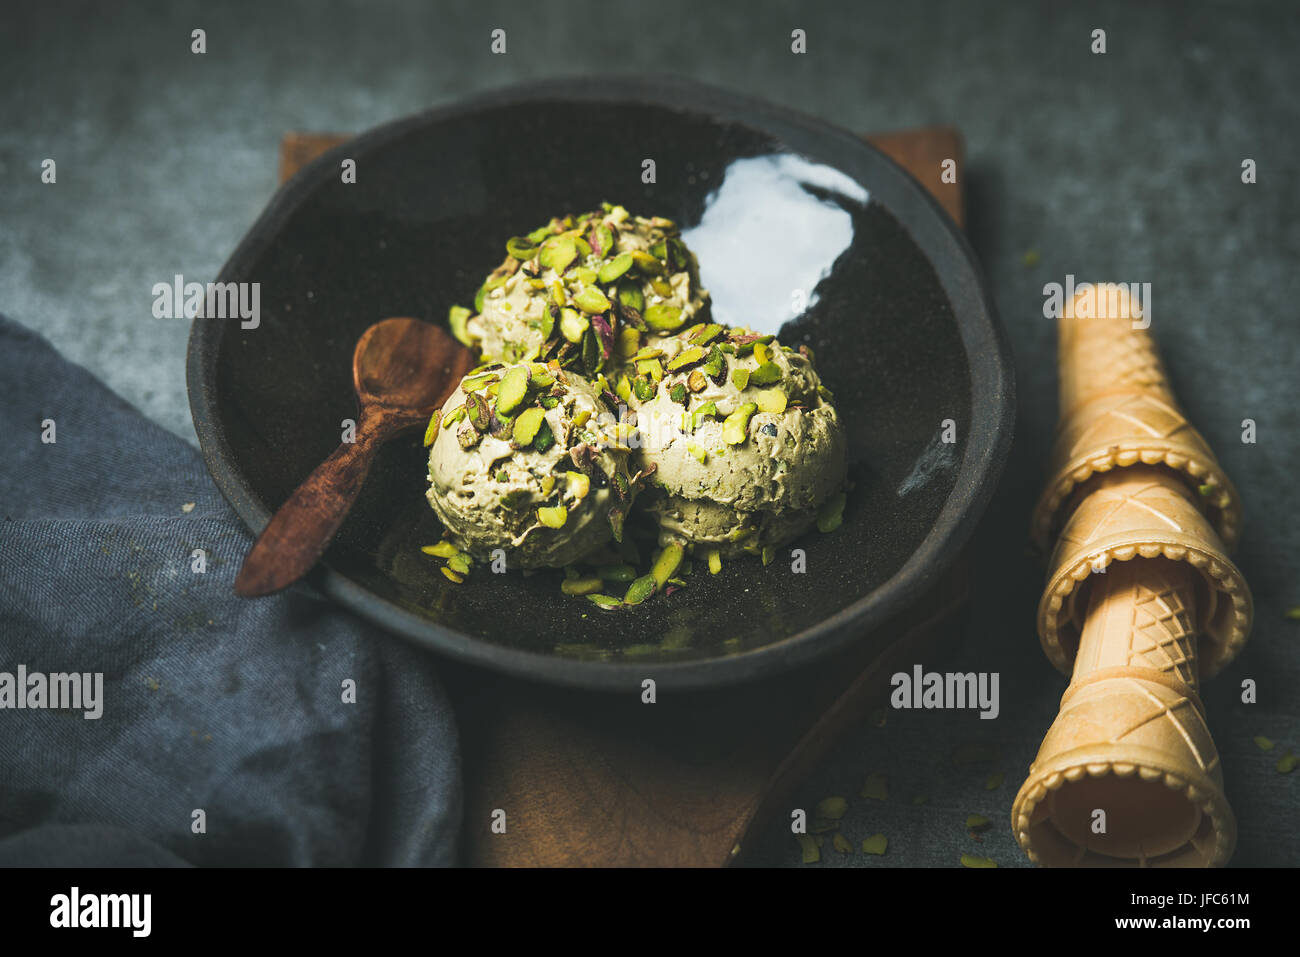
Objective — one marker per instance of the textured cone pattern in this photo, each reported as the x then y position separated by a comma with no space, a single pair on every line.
1141,512
1141,603
1131,740
1118,410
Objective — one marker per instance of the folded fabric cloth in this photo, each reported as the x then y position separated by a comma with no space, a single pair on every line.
277,731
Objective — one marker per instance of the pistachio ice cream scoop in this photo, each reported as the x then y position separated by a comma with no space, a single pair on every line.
568,288
526,458
741,434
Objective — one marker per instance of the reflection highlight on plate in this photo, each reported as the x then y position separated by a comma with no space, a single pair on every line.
766,240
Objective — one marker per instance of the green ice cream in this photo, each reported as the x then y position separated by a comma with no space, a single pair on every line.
567,289
523,461
742,436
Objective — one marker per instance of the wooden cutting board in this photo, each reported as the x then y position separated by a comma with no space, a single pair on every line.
596,779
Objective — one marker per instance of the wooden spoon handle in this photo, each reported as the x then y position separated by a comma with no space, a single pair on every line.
296,537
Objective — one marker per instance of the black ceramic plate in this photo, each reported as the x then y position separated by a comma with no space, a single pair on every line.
800,228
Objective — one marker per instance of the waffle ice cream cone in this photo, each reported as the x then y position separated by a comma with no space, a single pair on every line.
1141,512
1131,739
1117,410
1141,603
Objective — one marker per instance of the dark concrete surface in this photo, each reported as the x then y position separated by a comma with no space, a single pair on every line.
1124,166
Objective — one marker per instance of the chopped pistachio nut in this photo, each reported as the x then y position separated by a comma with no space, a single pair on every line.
644,388
706,334
832,808
577,485
700,454
541,375
557,253
740,378
811,853
976,822
685,358
1263,743
771,400
553,516
604,601
650,367
875,844
615,268
621,572
573,324
1287,763
454,416
970,860
765,374
641,589
478,412
441,550
630,295
993,781
526,425
457,319
715,364
591,300
514,386
647,263
581,586
662,317
468,436
460,562
602,240
831,514
841,844
474,383
876,787
707,410
1292,613
666,564
452,576
715,561
545,437
521,247
735,427
629,341
431,430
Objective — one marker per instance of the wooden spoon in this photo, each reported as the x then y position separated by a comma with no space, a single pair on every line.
402,369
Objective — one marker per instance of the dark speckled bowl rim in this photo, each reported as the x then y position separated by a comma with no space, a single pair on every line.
988,357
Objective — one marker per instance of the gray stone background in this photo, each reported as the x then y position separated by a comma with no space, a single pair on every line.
1123,166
